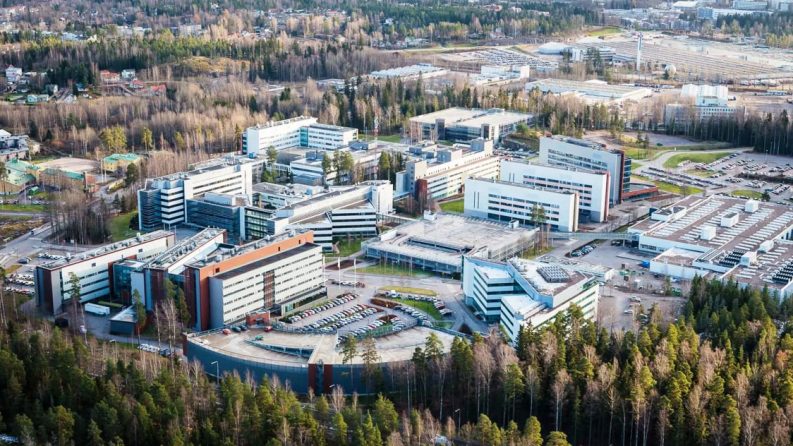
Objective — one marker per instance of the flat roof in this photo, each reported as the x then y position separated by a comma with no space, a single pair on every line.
108,249
185,248
482,236
770,221
399,346
530,270
449,115
768,270
266,261
589,88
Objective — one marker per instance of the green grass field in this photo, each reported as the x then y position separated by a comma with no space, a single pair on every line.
747,193
409,290
668,187
426,307
456,206
348,248
699,173
677,160
643,154
606,31
22,207
394,270
390,138
119,226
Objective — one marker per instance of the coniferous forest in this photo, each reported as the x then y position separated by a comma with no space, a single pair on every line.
720,375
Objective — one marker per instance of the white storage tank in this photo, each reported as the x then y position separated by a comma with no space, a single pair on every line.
748,258
729,220
751,206
707,233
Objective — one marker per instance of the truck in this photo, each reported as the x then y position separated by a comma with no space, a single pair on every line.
645,264
99,310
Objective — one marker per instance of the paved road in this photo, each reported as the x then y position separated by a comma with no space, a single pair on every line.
658,162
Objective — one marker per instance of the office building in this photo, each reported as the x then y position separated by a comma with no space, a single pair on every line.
507,202
518,293
335,212
592,187
444,175
162,202
118,162
721,236
16,147
303,131
253,277
146,278
224,211
588,155
92,268
438,242
464,124
702,103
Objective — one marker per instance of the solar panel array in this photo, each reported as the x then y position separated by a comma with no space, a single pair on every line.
553,274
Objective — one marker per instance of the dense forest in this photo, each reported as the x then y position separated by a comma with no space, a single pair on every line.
721,374
775,28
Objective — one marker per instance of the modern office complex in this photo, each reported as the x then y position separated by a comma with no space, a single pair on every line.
508,202
438,242
592,91
582,154
146,277
725,237
92,268
592,187
162,202
303,131
518,292
445,174
466,124
253,277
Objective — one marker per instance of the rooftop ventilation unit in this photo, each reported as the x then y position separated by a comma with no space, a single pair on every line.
707,233
751,206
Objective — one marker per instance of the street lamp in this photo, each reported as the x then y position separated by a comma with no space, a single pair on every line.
217,370
457,411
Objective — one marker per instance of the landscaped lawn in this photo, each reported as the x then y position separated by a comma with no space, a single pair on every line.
394,270
642,154
456,206
409,290
668,187
706,158
348,248
390,138
426,307
747,193
22,207
700,173
119,226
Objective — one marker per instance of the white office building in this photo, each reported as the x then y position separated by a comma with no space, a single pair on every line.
303,131
162,202
466,124
92,268
506,202
575,153
343,211
701,103
592,187
264,283
518,292
445,175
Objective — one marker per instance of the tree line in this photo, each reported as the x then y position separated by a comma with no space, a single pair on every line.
721,374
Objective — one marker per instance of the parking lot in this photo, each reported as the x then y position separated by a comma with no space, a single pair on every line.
351,314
